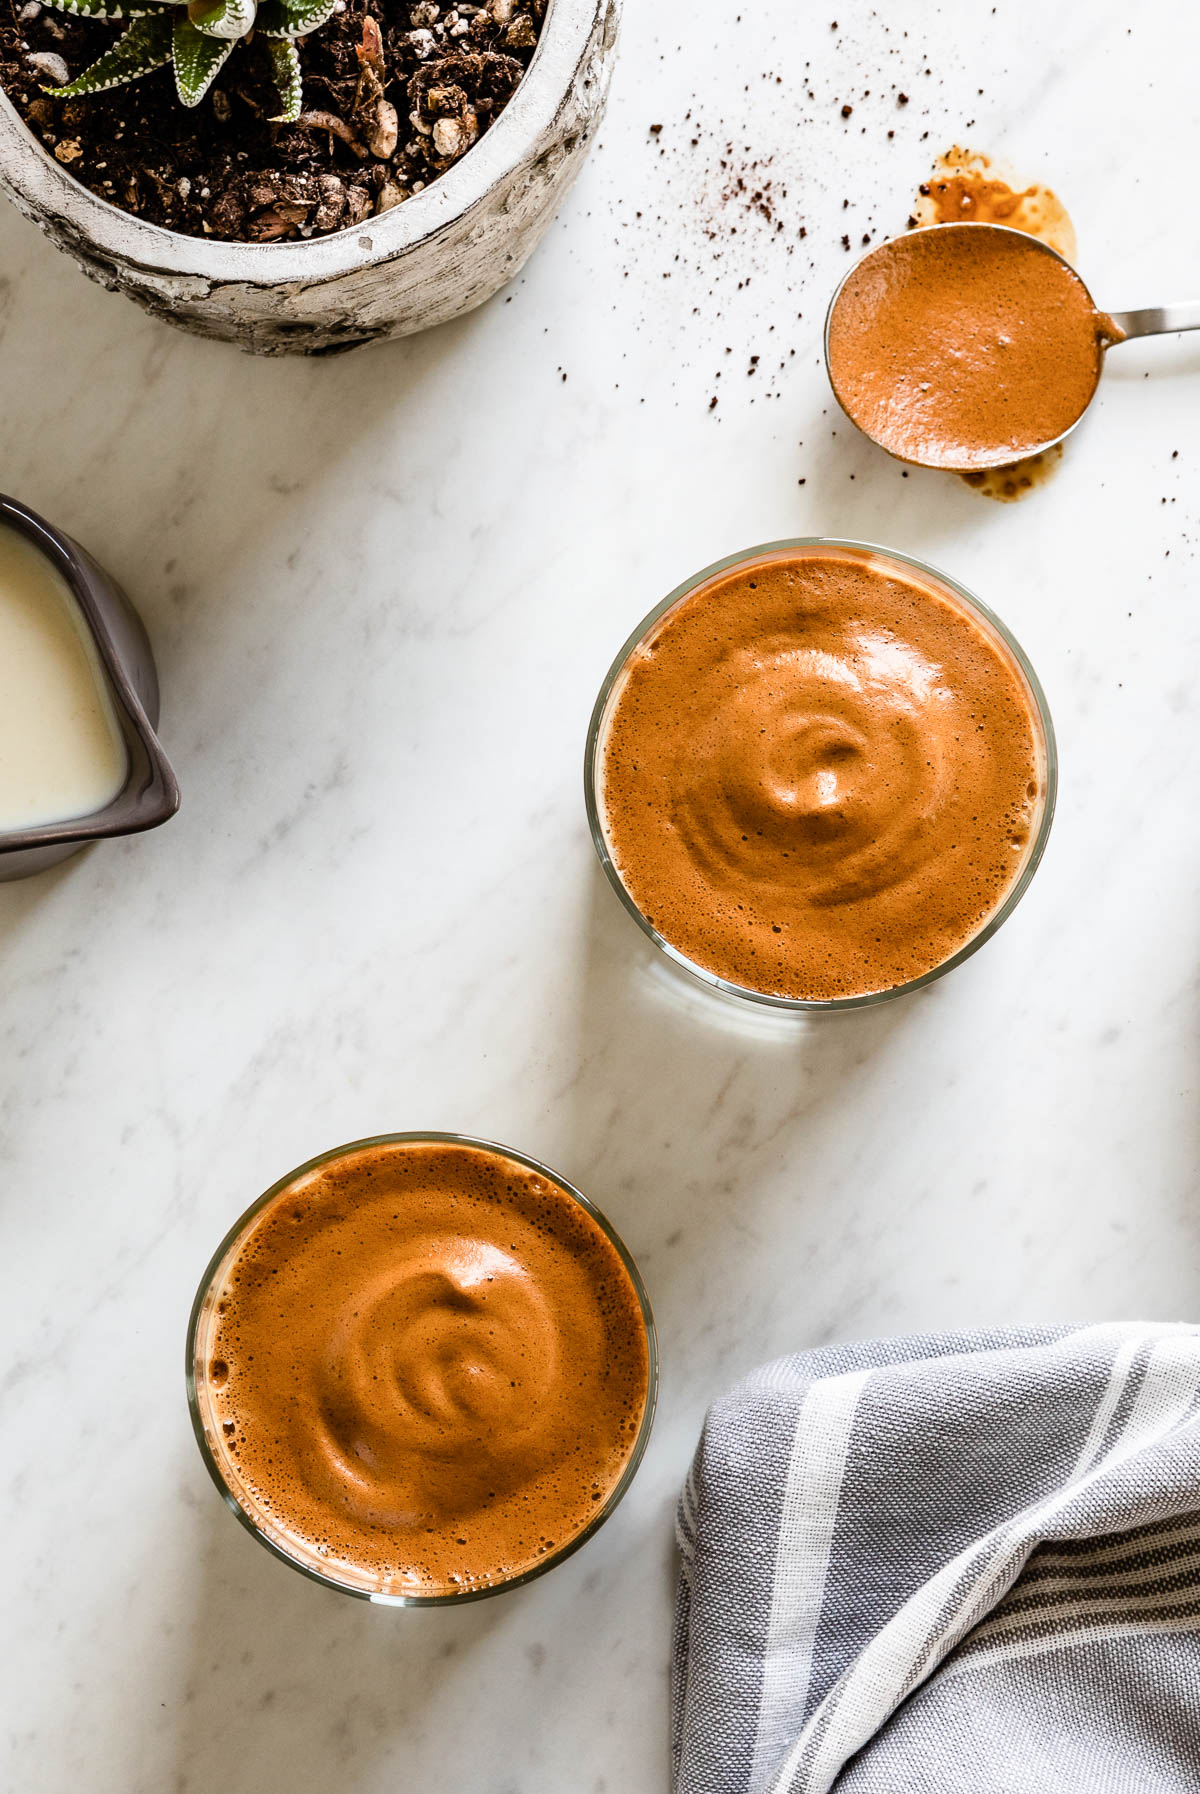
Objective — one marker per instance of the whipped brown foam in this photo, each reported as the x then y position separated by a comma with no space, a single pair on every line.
965,347
820,775
427,1365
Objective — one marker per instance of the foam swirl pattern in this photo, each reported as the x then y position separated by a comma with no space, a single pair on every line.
820,775
430,1365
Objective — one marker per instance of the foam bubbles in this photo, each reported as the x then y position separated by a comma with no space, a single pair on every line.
825,778
427,1367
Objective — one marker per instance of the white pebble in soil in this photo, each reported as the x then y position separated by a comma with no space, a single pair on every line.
52,66
447,137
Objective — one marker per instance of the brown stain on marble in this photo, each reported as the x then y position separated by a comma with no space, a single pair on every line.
967,187
1007,484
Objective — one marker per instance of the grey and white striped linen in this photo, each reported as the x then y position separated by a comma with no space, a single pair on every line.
954,1563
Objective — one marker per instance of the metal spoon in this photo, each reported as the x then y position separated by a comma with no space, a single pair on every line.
1155,320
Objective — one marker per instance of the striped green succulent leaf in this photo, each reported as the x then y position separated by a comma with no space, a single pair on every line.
197,60
293,18
109,9
229,19
143,48
285,64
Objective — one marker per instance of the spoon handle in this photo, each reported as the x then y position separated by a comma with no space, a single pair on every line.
1158,320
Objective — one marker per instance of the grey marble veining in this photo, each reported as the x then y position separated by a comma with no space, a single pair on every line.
383,591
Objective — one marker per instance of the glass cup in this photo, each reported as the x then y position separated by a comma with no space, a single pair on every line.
1045,749
222,1467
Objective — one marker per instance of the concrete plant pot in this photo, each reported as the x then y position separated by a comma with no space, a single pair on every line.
437,255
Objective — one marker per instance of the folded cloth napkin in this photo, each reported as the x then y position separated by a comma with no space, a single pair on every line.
966,1564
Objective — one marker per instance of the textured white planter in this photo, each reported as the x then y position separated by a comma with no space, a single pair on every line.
435,256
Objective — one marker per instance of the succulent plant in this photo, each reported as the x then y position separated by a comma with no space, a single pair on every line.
196,39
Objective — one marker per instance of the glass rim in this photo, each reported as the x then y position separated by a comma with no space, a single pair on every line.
377,1597
592,750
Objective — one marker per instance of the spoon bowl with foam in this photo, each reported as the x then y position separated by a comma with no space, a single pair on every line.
969,346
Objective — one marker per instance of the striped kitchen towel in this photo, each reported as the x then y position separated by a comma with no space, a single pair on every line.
966,1564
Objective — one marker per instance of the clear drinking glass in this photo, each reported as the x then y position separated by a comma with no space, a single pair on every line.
223,1469
1045,748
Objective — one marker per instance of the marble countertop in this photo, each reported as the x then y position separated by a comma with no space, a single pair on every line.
383,590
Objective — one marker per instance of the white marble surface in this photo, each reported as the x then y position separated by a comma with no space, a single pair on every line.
383,590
